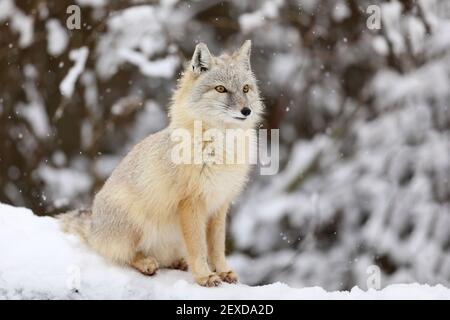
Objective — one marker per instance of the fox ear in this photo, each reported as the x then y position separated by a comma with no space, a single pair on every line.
201,60
244,53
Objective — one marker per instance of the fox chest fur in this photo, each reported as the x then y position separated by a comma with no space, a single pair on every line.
154,186
212,184
216,180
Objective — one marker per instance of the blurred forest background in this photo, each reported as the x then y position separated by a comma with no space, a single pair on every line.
363,114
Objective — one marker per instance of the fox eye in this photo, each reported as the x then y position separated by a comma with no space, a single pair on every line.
246,88
220,89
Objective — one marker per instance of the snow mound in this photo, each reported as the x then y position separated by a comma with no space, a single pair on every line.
39,261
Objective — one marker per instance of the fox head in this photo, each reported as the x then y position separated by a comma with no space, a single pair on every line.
219,90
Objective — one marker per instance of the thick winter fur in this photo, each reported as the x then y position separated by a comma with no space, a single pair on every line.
154,213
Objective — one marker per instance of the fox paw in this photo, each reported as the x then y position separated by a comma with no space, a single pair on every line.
211,280
180,264
229,276
147,266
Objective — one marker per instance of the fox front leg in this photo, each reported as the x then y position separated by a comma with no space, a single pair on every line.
193,220
216,246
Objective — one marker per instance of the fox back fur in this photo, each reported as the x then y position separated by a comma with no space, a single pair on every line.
152,212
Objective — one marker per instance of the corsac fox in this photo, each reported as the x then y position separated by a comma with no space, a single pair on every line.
153,212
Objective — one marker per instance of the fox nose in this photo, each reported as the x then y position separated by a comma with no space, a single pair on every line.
246,111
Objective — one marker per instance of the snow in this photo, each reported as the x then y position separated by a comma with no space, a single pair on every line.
341,11
92,3
256,19
45,263
64,183
24,25
380,45
34,111
164,68
144,37
57,37
391,14
79,56
6,8
20,22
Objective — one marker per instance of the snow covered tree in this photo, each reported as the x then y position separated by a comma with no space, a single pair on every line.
365,126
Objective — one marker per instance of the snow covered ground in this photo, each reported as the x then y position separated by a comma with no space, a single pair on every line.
39,261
